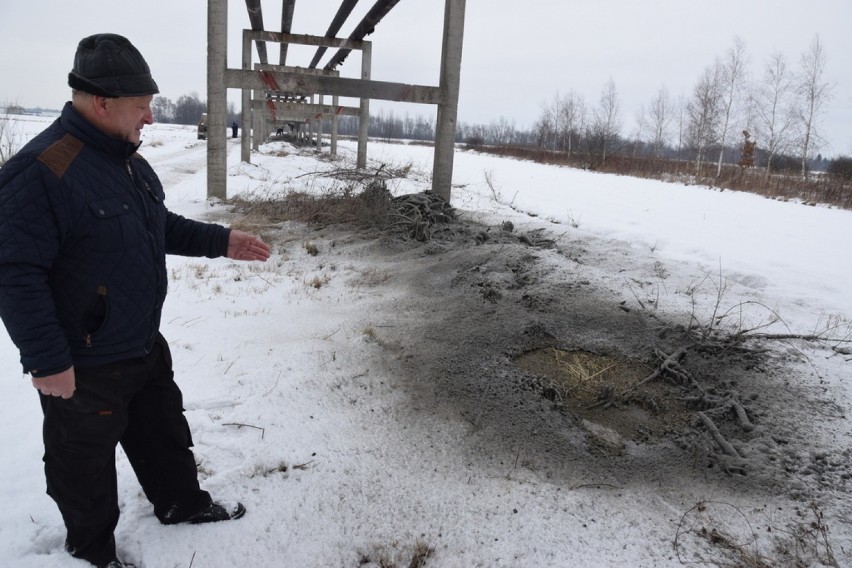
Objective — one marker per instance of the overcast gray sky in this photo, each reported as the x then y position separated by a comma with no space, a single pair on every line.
517,55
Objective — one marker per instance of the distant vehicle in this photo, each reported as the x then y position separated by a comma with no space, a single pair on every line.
202,127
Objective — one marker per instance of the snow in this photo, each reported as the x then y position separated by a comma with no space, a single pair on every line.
296,410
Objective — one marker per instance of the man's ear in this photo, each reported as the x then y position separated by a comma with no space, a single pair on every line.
100,106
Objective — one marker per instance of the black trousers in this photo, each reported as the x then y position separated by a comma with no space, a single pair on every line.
136,403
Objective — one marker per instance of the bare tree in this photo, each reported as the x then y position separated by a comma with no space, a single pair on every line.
561,122
703,113
682,123
606,124
163,109
189,108
9,138
773,107
501,132
660,116
814,93
642,128
733,71
571,119
545,127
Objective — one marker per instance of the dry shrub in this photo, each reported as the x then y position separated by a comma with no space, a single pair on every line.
368,208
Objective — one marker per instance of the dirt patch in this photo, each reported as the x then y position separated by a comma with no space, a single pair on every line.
588,385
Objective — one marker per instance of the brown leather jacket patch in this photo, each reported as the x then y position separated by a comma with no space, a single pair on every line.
59,155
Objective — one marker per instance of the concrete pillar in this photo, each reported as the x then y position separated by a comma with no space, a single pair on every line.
217,98
445,129
319,124
312,124
364,117
257,119
245,139
335,101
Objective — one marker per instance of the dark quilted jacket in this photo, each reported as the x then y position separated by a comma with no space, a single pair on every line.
83,238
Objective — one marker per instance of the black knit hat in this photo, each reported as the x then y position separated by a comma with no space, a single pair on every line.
108,65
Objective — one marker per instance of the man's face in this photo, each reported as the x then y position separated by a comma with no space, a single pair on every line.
127,116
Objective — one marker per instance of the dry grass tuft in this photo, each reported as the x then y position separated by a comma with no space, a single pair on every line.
311,249
422,552
581,375
320,281
395,556
368,208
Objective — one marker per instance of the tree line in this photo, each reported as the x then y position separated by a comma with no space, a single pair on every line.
773,117
186,110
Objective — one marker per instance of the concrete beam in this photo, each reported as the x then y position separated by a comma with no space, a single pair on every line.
302,111
291,69
255,13
307,85
302,39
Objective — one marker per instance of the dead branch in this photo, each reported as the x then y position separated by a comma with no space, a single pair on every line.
670,363
727,448
742,416
240,425
801,336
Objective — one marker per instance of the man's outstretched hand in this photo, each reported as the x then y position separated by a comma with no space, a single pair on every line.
242,246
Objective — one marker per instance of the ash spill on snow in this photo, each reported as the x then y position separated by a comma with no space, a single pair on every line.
529,345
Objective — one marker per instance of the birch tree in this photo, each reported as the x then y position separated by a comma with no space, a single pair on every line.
570,119
547,126
660,116
813,92
501,132
544,128
733,71
606,123
702,112
773,107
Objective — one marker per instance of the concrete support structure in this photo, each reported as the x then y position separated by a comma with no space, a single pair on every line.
292,80
297,82
271,108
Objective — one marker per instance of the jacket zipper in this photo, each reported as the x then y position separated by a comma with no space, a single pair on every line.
101,291
152,237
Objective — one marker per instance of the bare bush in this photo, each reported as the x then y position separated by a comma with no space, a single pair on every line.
9,139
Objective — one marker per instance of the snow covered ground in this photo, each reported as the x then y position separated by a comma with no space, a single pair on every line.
306,393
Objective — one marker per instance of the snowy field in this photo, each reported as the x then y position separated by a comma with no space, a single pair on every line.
299,379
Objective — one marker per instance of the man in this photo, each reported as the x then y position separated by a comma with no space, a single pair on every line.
83,238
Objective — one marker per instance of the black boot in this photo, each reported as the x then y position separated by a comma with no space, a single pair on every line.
116,563
212,513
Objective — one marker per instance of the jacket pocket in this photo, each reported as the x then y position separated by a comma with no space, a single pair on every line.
113,228
95,318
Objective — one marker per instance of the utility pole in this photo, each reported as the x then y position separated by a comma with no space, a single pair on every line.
445,129
217,98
